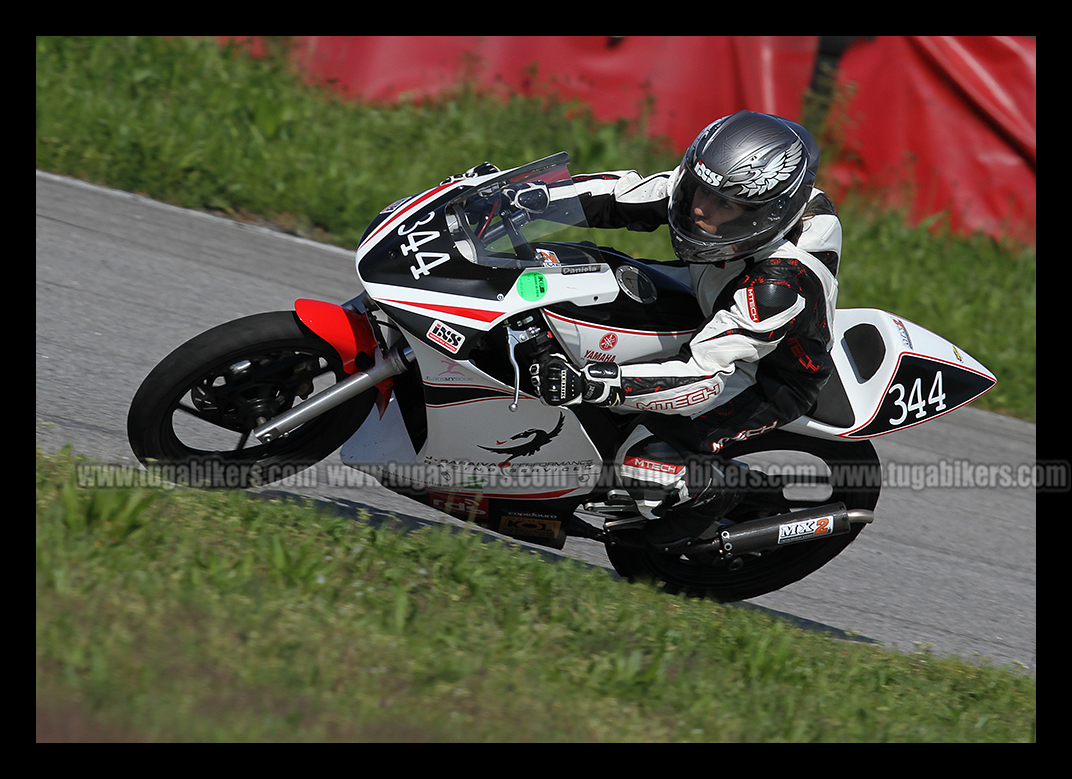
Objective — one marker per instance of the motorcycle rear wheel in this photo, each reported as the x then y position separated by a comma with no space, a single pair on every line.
854,478
194,413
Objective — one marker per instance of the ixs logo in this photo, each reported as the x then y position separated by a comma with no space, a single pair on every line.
447,337
707,174
681,401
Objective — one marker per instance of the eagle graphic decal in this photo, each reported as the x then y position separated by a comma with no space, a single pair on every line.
540,439
754,179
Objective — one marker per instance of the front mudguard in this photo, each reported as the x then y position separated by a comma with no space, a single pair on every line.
348,332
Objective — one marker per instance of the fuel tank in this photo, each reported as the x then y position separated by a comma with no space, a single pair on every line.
656,314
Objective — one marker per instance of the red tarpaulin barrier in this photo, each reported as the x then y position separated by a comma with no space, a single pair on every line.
951,117
693,80
948,120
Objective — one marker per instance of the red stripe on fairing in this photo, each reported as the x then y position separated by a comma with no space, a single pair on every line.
469,313
529,496
406,211
604,328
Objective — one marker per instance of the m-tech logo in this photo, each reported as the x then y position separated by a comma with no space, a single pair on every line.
681,401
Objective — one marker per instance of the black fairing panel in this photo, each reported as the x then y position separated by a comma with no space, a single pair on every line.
832,407
391,262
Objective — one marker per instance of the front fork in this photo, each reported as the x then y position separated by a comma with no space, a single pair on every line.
348,332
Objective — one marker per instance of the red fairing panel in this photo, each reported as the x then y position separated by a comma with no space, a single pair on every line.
348,331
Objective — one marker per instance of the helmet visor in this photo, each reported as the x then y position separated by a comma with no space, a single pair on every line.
710,220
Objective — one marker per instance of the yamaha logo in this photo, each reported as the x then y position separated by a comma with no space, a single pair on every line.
608,342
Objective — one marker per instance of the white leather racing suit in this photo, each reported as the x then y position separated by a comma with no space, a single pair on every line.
773,311
760,358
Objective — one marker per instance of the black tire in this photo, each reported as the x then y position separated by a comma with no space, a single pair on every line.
193,415
854,478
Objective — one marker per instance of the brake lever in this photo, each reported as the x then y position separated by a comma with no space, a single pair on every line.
514,339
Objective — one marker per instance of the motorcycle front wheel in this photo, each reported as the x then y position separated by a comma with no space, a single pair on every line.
796,472
193,415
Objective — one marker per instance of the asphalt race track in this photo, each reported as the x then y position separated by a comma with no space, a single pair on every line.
122,280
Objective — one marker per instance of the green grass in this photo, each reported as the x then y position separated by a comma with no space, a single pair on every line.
178,615
202,126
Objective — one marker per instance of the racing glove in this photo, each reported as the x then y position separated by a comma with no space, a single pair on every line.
482,169
532,196
598,383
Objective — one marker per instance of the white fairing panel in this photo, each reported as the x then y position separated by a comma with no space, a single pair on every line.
379,440
915,376
475,444
592,342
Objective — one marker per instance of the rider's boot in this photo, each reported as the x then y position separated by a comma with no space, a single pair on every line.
710,497
683,495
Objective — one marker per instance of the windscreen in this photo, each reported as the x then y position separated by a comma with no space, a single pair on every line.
496,222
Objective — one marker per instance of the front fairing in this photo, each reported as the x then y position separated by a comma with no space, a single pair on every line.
467,220
458,253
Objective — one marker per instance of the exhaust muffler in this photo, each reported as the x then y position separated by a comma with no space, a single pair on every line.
796,527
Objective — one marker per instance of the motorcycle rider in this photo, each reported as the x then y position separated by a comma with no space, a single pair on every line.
761,246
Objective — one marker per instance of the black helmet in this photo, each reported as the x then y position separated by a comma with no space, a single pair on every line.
758,169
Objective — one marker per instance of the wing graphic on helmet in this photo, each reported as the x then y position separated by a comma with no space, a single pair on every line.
756,181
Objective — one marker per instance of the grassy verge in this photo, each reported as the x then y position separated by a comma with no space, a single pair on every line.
190,123
181,615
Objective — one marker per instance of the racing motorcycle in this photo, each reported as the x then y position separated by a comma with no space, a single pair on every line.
427,382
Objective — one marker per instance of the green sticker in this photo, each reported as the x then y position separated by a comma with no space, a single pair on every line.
532,286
